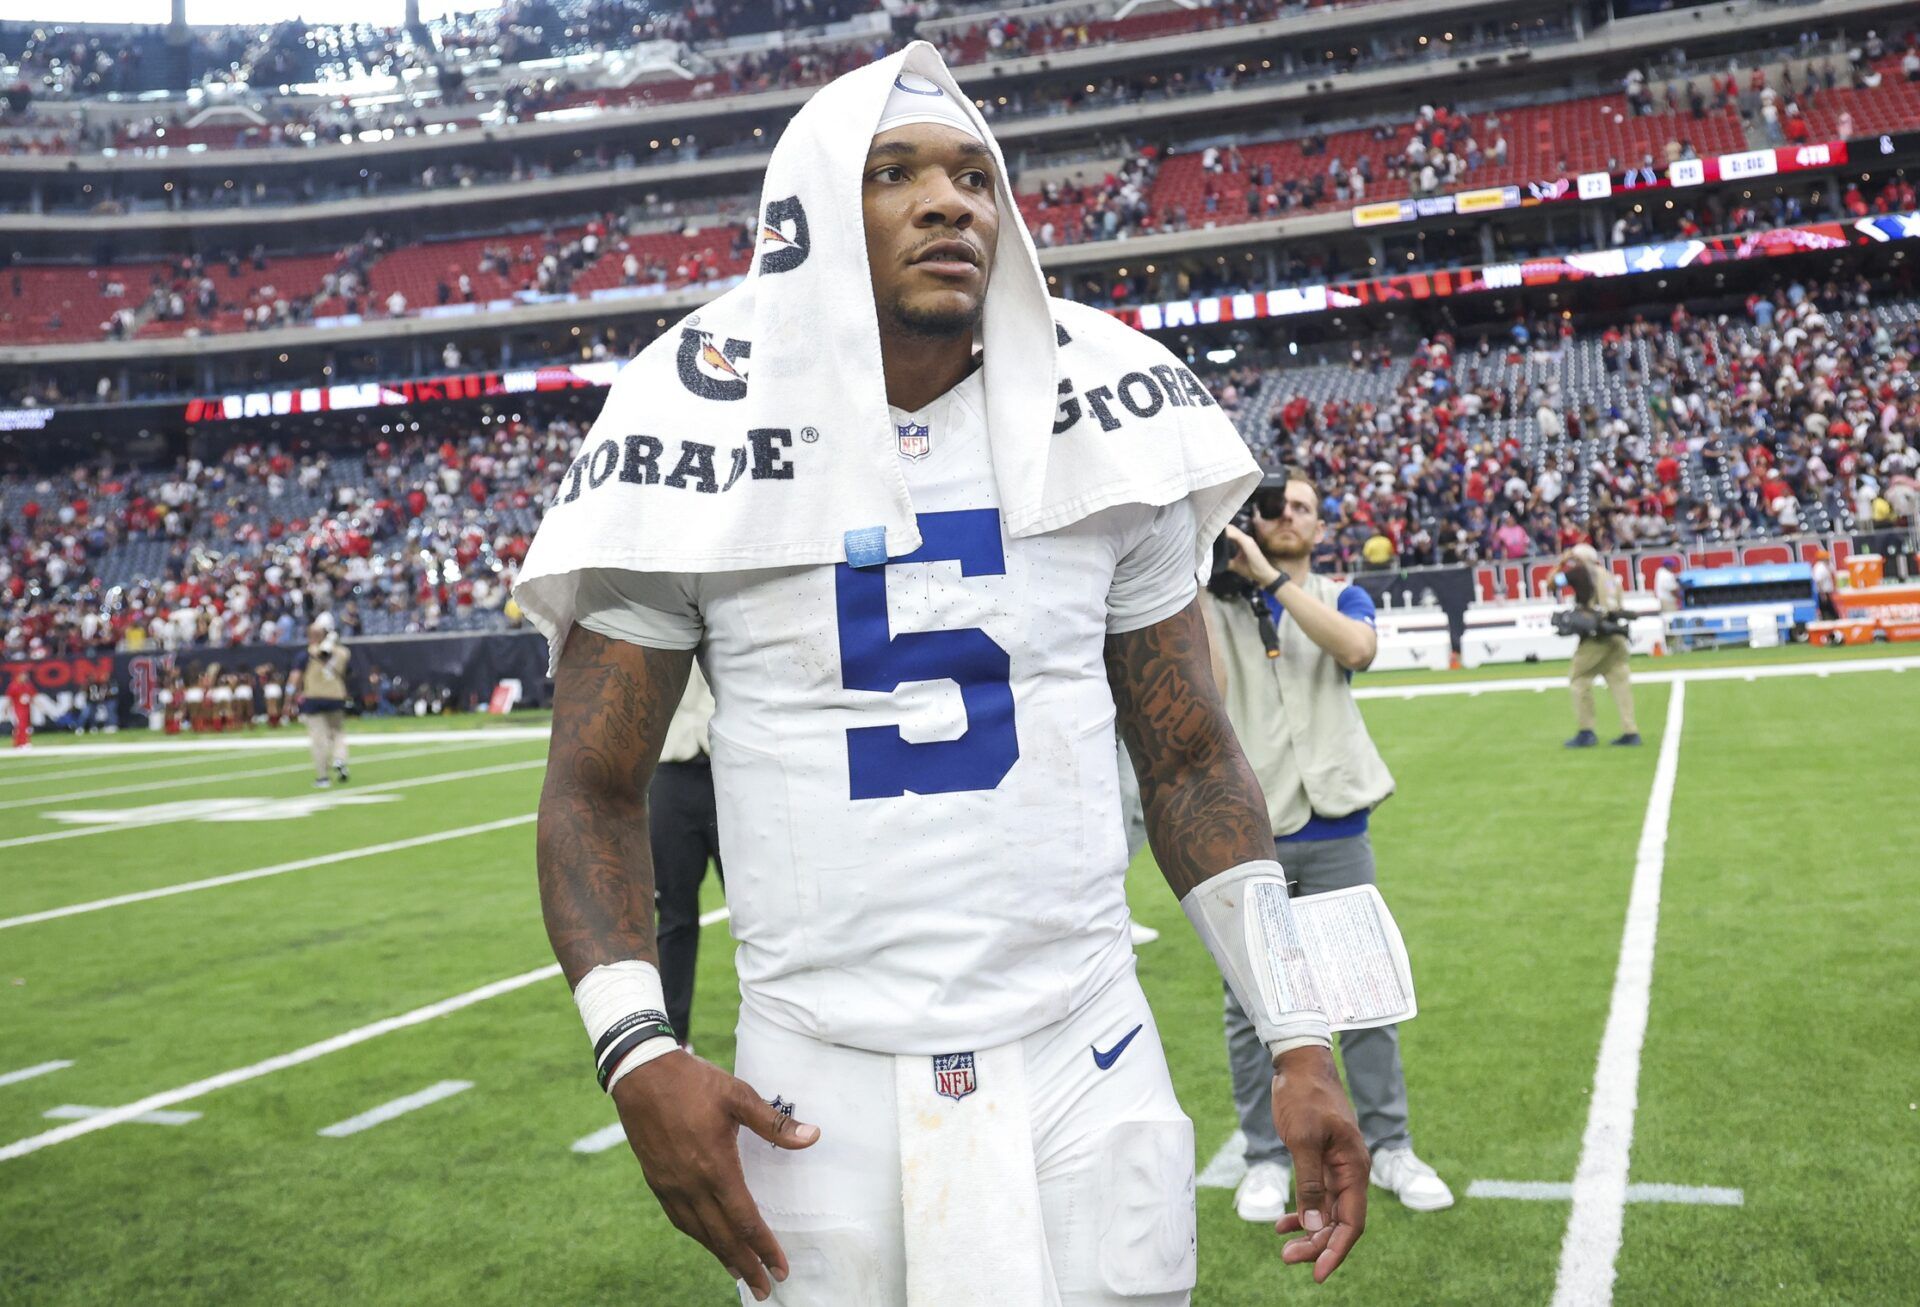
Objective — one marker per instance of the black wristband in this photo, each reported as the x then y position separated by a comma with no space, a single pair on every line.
1273,587
625,1035
634,1039
633,1020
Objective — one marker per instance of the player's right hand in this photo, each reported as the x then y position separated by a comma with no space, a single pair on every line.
683,1116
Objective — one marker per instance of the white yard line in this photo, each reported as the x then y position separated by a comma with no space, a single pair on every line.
21,776
374,1116
29,1072
185,1093
1705,1194
1535,1191
294,738
1227,1167
602,1139
1538,684
75,1112
1592,1242
171,818
1548,1191
277,869
246,773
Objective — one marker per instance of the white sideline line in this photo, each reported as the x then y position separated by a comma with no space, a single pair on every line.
1557,1192
296,739
171,1097
1518,683
246,773
374,1116
173,818
1227,1167
716,916
1592,1241
75,1112
277,869
29,1072
602,1139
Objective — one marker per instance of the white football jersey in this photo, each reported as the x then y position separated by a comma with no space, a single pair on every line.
914,763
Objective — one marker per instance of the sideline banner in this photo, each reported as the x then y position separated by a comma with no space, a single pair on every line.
469,664
1532,578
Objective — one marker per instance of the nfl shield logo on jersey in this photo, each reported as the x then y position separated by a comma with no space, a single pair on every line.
915,442
953,1073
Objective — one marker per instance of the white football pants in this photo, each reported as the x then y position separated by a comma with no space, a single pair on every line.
1113,1152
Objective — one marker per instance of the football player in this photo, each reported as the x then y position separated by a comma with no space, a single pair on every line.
939,915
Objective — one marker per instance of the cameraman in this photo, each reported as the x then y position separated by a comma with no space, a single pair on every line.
321,674
1597,618
1287,643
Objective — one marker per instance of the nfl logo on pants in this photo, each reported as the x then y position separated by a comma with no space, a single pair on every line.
953,1075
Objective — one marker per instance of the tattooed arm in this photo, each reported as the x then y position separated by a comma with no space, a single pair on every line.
1206,814
612,703
1204,809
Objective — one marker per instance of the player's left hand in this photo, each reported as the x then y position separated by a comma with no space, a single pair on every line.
1330,1162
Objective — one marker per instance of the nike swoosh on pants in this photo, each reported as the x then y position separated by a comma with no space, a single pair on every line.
1112,1055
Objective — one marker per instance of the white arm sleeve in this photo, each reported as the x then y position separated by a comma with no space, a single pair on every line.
1245,918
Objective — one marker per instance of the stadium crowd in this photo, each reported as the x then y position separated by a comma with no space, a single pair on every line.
415,534
1705,429
60,129
1804,413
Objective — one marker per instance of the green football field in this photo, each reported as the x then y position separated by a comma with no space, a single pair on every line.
318,956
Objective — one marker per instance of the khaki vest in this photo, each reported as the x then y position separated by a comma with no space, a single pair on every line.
1606,587
325,677
1296,718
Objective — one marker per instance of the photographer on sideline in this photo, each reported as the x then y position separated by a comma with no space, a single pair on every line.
1286,644
321,673
1598,619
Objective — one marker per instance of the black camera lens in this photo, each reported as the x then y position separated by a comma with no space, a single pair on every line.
1270,504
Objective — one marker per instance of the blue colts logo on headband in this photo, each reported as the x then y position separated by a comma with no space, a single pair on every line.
931,88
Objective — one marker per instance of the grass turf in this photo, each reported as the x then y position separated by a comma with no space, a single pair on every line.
1779,1057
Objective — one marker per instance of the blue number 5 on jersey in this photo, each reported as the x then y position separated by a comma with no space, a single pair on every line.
881,763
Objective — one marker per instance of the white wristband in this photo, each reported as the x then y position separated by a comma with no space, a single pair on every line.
624,1009
658,1046
1244,918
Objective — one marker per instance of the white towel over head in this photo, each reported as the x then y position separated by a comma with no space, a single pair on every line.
756,432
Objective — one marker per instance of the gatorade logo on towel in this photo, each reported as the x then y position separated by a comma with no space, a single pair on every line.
713,370
780,252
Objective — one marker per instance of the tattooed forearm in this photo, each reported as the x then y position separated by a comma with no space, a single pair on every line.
1204,809
612,702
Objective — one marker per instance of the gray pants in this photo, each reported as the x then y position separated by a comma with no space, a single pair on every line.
1371,1057
327,740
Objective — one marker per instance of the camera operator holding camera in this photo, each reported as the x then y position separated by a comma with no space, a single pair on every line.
322,675
1598,619
1286,646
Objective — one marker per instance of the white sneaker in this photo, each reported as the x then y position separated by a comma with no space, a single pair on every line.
1410,1180
1262,1195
